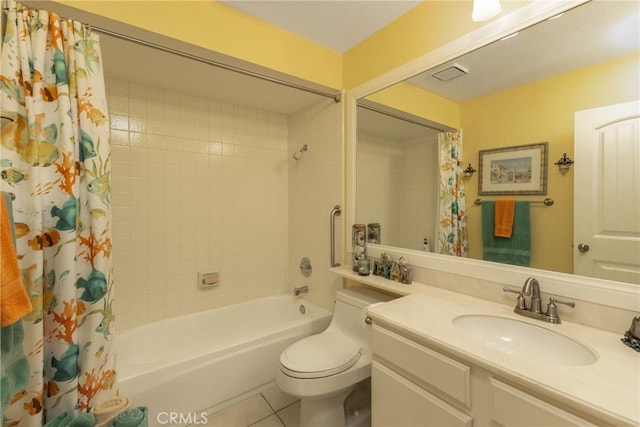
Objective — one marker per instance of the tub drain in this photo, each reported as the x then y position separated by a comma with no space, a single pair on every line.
302,308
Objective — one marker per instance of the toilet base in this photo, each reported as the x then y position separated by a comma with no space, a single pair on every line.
357,406
325,411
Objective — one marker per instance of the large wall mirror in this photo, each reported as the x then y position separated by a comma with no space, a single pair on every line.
518,90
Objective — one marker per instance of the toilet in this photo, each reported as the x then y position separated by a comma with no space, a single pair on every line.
323,369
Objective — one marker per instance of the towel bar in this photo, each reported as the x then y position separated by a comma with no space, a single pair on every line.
546,202
336,211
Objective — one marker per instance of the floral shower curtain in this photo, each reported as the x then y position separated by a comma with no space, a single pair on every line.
452,230
55,159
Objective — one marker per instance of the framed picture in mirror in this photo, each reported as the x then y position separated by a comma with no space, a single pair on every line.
517,170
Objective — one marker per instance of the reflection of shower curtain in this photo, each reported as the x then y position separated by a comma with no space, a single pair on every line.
452,230
55,160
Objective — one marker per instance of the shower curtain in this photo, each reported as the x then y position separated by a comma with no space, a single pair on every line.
452,225
55,161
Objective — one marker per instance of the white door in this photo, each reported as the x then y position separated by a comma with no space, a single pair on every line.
607,193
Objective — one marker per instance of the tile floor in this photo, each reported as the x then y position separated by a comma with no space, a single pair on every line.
271,408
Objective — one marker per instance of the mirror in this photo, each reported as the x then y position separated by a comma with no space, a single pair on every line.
518,90
397,174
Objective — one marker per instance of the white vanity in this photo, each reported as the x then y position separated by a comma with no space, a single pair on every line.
430,369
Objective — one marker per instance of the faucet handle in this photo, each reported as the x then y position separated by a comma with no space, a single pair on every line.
569,303
552,309
521,303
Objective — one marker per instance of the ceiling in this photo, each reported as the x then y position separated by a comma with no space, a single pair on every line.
336,24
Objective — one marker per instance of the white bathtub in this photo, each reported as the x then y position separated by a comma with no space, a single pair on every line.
192,363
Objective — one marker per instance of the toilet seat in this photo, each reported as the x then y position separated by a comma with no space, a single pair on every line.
322,355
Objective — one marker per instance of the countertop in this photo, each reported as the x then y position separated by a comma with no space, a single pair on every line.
608,389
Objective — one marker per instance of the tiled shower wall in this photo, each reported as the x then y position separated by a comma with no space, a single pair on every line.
398,188
315,187
376,182
197,186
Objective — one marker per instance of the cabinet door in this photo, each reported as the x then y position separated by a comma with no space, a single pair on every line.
396,401
512,407
435,369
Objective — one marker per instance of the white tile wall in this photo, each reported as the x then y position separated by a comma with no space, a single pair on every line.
315,187
405,173
197,185
417,192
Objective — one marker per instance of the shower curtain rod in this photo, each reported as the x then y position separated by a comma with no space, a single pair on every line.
336,96
370,106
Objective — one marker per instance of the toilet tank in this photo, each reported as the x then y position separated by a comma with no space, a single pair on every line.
349,311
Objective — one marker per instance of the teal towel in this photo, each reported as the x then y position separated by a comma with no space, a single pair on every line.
85,419
61,420
14,367
514,250
134,417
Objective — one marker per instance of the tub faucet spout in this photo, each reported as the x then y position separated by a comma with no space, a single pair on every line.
300,290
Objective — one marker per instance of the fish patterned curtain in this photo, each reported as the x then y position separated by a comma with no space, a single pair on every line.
54,158
452,229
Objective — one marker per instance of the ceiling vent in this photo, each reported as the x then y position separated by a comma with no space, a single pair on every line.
451,72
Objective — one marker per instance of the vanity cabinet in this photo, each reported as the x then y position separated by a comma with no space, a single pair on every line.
414,385
396,401
513,407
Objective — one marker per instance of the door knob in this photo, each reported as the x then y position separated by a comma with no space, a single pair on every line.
582,247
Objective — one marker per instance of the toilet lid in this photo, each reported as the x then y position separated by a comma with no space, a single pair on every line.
321,355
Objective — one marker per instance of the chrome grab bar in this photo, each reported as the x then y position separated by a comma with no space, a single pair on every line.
336,211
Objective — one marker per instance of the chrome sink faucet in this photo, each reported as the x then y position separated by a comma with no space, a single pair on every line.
531,288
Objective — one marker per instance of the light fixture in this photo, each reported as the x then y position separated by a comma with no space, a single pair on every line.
484,10
564,163
469,171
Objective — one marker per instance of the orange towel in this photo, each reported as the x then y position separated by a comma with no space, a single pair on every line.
503,218
14,301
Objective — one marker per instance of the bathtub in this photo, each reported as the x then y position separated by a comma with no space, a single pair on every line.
185,366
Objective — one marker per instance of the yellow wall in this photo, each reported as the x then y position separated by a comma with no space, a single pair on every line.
420,102
222,29
536,112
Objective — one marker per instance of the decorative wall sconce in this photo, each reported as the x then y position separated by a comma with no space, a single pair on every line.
469,171
564,163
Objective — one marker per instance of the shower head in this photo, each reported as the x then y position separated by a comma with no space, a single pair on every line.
298,154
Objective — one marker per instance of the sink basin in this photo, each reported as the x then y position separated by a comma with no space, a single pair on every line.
524,340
